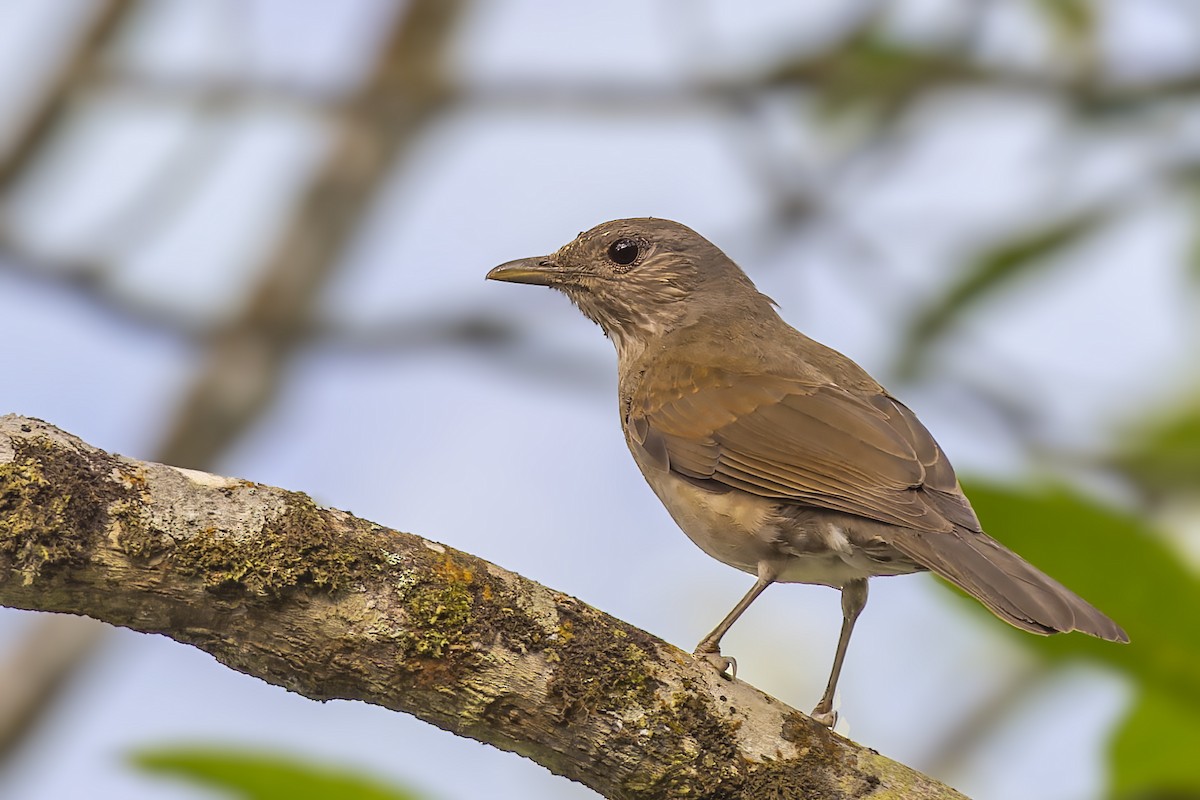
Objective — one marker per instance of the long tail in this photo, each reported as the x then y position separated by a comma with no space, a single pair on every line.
1011,587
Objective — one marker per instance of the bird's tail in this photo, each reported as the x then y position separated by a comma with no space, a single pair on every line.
1011,587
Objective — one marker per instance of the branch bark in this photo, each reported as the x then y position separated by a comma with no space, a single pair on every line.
332,606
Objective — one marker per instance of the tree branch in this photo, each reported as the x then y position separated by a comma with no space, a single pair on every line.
331,606
54,101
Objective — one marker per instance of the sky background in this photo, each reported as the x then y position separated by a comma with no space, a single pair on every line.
513,452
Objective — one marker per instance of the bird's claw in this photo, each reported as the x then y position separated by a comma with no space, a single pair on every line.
725,666
826,718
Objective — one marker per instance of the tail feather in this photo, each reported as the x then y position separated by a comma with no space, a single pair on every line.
1012,588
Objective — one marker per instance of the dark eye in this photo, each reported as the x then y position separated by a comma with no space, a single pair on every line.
623,252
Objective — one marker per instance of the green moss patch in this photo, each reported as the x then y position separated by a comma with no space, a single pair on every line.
709,766
439,611
51,508
302,547
601,667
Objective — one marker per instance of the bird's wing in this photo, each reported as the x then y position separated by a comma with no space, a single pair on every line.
818,444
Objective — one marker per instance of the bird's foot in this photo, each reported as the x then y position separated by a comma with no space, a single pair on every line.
826,716
725,666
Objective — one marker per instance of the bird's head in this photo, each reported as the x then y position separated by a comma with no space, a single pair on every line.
638,278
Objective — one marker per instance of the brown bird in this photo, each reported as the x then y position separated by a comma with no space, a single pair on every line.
775,454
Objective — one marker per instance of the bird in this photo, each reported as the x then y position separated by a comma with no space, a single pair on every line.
775,454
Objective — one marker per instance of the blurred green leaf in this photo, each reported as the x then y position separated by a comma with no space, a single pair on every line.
263,776
868,70
1154,754
988,272
1073,18
1163,456
1120,565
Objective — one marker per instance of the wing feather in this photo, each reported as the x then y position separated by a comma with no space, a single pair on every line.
816,444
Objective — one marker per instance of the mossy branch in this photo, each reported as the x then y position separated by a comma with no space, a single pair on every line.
332,606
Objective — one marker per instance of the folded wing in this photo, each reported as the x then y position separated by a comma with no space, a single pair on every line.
861,453
815,444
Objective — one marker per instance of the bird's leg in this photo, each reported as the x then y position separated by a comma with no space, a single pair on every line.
854,598
709,648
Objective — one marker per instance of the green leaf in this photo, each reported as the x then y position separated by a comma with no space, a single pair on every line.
1118,563
263,776
867,71
987,273
1075,19
1154,751
1163,456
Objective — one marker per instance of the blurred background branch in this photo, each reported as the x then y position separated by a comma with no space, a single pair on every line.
241,369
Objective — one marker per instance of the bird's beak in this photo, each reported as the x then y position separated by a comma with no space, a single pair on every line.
539,270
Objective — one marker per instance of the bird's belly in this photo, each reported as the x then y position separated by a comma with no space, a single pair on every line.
732,527
832,568
746,531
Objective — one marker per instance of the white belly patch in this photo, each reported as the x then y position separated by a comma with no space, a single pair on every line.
743,530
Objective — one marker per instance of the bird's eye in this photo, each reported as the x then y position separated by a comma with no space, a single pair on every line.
623,252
